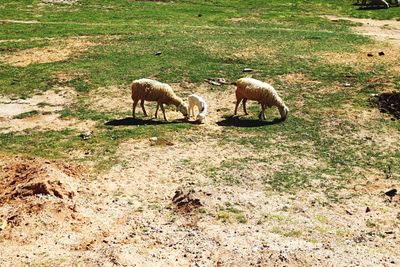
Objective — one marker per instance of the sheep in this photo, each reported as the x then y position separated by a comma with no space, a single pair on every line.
162,93
264,93
195,100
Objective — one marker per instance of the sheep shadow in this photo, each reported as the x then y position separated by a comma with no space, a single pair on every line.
236,121
371,7
136,121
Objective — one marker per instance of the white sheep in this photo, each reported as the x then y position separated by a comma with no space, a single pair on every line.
162,93
264,93
198,101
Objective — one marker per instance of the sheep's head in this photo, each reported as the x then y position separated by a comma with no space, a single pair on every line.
201,118
184,110
284,112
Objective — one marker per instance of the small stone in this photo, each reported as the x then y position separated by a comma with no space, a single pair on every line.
158,53
391,193
370,55
367,210
86,135
3,225
200,15
347,84
247,70
381,53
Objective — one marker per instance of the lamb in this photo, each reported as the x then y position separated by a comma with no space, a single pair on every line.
195,100
264,93
162,93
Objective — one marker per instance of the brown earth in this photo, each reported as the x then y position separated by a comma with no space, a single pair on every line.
60,50
44,111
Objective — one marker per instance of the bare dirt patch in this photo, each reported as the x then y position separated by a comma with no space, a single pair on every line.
65,2
111,99
361,58
254,52
49,101
382,30
60,50
39,112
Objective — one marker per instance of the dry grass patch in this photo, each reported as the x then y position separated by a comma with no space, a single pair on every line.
110,99
296,78
361,59
254,52
60,50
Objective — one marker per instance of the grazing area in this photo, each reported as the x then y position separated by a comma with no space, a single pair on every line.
82,182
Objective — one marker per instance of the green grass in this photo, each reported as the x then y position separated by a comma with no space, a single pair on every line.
26,114
230,213
128,33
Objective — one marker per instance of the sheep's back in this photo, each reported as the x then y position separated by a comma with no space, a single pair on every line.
150,90
255,90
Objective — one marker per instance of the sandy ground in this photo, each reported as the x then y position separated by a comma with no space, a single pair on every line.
127,217
382,30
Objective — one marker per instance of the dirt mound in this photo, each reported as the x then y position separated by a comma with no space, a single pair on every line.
186,200
22,177
388,103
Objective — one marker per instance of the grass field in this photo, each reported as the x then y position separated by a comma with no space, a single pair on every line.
332,142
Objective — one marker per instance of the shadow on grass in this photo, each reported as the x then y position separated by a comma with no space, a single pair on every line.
238,122
371,7
135,121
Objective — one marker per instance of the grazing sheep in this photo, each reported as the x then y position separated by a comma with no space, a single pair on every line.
198,101
162,93
264,93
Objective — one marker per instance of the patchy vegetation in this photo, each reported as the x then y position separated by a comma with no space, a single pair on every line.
82,183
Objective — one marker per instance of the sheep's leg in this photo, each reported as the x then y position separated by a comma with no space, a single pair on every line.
163,111
244,106
142,105
191,111
238,100
155,115
261,116
134,107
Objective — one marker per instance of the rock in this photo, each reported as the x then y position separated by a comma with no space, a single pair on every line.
155,141
367,210
157,53
370,55
3,225
215,81
391,193
381,53
212,82
347,84
86,135
247,70
186,200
